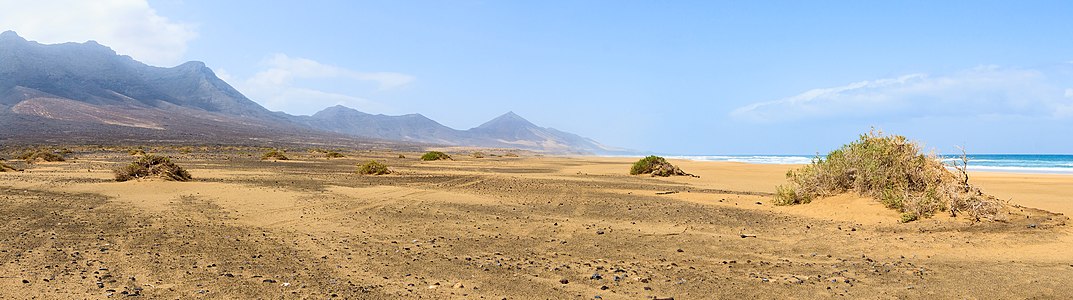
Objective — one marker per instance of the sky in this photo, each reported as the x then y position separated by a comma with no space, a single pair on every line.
671,77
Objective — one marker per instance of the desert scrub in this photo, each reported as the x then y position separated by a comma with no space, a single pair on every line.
136,152
657,166
510,154
333,154
478,154
6,168
274,154
152,166
373,167
42,155
895,171
435,155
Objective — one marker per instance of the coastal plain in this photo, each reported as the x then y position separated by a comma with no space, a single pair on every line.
530,227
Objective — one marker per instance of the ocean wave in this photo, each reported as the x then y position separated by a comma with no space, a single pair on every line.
1011,169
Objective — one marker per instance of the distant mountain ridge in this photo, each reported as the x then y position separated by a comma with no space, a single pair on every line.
86,91
507,131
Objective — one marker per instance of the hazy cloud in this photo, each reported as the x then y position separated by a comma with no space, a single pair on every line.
980,91
279,86
131,27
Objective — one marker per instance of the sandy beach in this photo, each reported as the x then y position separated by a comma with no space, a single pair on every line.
502,227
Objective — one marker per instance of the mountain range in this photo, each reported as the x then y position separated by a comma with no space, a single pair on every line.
86,92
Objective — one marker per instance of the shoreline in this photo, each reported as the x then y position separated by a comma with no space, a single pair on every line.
800,160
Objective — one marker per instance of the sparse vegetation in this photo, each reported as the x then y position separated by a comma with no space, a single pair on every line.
333,154
6,168
510,154
40,155
435,155
478,154
136,152
373,167
274,154
657,166
402,156
152,166
894,171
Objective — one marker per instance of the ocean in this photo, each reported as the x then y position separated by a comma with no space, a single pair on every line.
1015,163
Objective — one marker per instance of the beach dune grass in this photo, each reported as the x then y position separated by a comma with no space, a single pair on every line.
274,154
40,155
373,167
896,172
6,168
435,155
152,166
657,166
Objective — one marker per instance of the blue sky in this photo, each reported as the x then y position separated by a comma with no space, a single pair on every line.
681,77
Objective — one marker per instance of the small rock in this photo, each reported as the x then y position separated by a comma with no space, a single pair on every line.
596,276
680,250
599,232
269,281
25,281
459,285
564,281
604,288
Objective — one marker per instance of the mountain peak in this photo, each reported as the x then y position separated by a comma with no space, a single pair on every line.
509,119
11,36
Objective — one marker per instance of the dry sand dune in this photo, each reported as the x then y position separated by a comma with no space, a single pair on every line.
493,228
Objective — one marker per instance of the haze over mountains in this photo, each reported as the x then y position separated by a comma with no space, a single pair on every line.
85,92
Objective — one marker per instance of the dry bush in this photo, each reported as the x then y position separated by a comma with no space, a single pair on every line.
402,156
373,167
435,155
6,168
42,155
274,154
510,154
136,152
478,154
894,171
657,166
152,166
333,154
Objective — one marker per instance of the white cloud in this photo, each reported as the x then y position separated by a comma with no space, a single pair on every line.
131,27
279,88
980,91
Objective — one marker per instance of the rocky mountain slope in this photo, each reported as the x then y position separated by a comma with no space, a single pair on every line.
85,92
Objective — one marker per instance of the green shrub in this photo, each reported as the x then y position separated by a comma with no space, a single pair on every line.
435,155
274,154
894,171
333,154
373,167
42,155
657,166
152,166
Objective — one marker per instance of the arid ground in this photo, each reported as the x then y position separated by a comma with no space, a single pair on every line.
501,227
